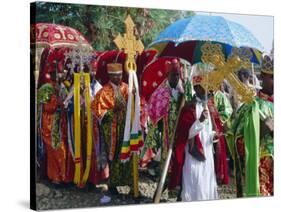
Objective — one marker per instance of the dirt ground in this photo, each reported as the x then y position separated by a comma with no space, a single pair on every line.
69,196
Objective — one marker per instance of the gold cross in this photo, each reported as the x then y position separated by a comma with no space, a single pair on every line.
129,44
212,54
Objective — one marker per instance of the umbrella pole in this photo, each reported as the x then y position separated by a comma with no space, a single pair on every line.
168,159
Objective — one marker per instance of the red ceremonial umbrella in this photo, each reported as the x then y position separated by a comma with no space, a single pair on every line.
153,75
50,42
55,35
50,36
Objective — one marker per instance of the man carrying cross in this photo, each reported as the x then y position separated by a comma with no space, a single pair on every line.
109,107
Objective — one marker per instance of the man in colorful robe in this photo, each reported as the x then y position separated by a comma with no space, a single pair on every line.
54,129
163,110
193,162
109,107
99,166
252,143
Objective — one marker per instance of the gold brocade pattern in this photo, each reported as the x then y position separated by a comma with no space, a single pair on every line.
266,176
105,100
56,158
224,69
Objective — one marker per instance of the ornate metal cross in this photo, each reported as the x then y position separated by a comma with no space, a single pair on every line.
212,54
79,55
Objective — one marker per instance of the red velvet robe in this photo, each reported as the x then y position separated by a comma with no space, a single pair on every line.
221,166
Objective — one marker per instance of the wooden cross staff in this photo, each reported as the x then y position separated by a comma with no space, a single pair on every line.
131,47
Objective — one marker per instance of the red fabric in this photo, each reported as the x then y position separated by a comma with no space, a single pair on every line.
240,146
221,166
48,34
143,112
144,59
184,50
48,57
97,176
149,154
106,57
153,75
116,56
266,176
266,97
187,118
69,163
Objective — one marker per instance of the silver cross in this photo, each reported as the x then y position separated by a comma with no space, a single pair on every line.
79,55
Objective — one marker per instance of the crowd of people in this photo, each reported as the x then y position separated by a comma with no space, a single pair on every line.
216,137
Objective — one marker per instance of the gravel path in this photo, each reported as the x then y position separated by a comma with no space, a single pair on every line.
50,197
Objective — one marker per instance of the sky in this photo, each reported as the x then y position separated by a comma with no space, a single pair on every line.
262,27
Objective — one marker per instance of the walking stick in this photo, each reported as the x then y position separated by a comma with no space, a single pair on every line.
167,162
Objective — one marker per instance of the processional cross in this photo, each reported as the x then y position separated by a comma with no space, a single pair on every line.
81,55
129,44
131,47
212,54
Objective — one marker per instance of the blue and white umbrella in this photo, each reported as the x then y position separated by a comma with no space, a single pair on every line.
184,37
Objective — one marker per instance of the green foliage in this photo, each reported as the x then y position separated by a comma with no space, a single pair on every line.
100,24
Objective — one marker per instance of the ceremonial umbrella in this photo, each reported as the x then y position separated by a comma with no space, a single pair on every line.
55,35
185,37
154,74
47,35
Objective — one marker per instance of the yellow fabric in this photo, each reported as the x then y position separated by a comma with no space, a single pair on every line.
89,128
77,130
135,141
125,149
67,84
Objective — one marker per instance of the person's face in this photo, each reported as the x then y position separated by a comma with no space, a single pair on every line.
115,78
200,92
267,82
173,78
244,79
